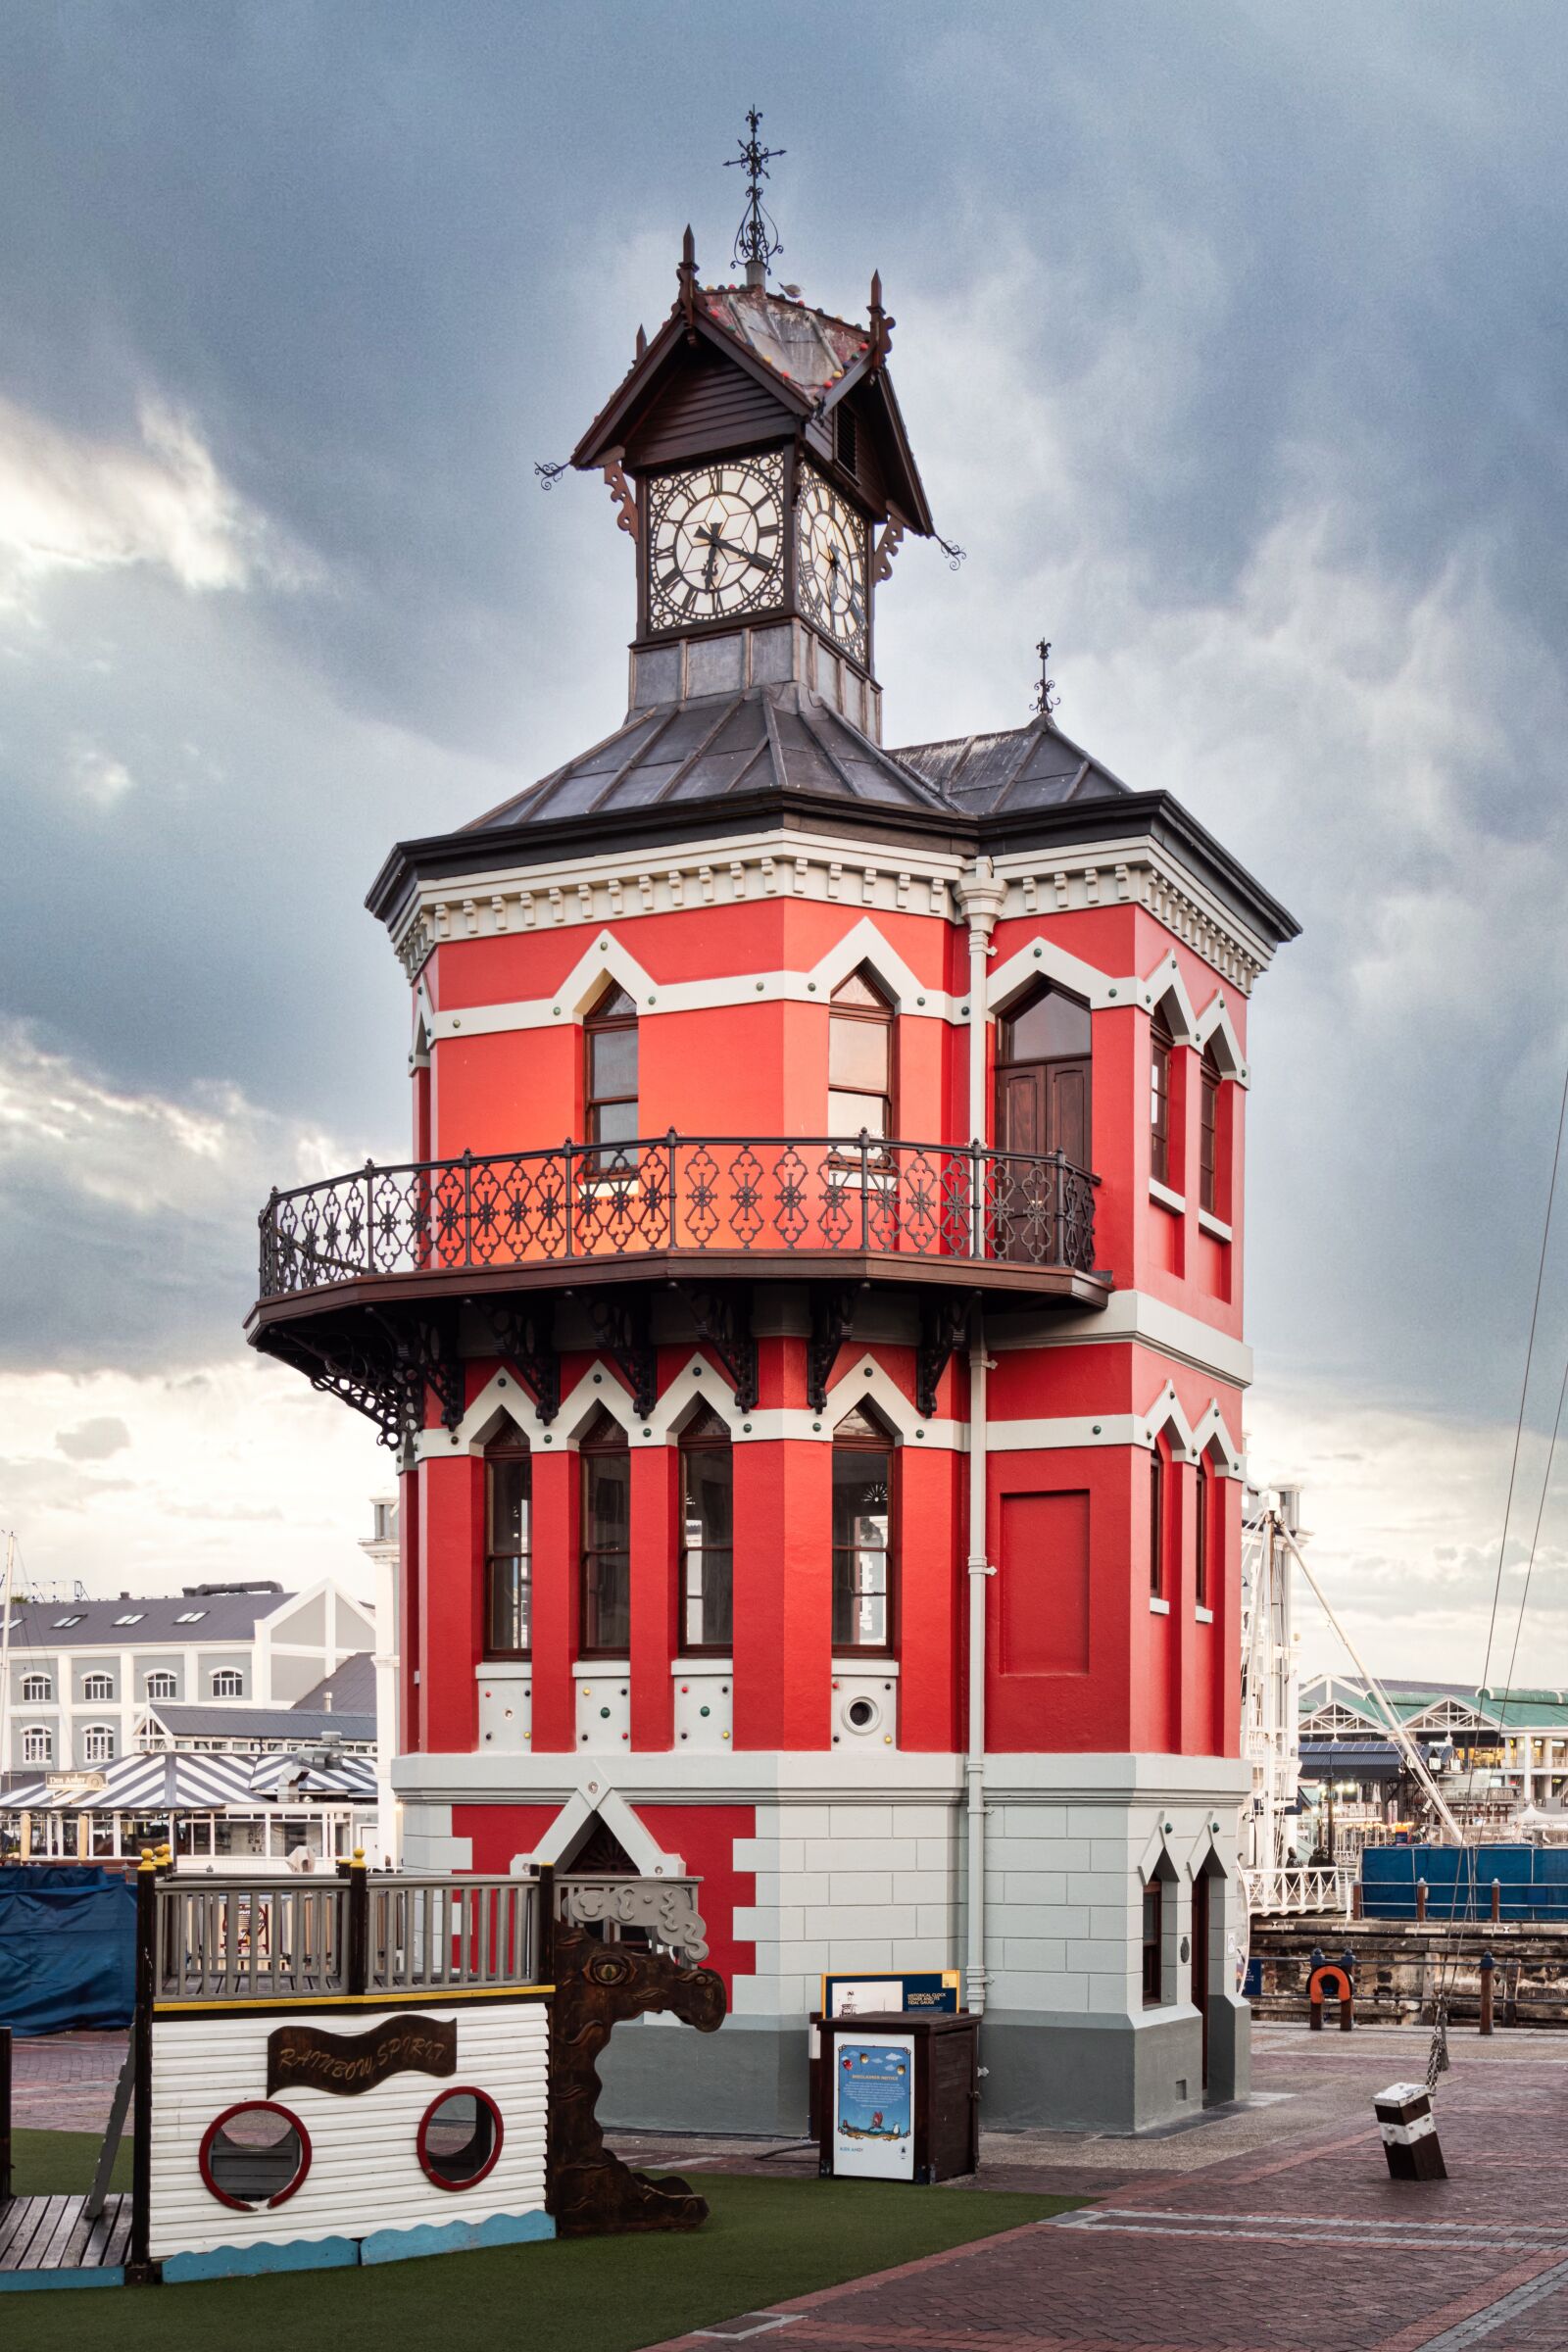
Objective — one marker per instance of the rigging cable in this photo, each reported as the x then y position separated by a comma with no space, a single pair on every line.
1448,1966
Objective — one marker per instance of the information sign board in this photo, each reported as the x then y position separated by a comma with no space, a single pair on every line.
873,2106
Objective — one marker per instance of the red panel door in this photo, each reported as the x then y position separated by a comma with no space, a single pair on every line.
1201,1959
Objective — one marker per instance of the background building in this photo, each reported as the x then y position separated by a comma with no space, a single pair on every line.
91,1679
822,1471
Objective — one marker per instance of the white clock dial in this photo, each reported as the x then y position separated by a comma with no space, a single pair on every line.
832,558
715,542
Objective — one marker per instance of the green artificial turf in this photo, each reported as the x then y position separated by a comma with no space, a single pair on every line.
765,2239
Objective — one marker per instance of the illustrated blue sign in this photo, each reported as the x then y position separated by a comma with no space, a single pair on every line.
875,2089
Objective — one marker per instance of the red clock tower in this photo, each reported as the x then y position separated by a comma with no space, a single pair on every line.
809,1321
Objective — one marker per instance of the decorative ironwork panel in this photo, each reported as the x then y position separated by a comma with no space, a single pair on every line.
724,1194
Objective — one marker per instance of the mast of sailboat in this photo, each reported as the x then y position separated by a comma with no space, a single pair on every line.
1396,1730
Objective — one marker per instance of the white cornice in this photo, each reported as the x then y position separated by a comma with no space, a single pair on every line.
1138,1317
752,868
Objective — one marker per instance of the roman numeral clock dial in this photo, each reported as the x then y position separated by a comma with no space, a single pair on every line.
831,539
715,542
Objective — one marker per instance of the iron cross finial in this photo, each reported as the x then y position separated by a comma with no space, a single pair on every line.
1047,699
757,240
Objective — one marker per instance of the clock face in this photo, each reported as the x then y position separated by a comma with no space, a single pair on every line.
715,542
831,551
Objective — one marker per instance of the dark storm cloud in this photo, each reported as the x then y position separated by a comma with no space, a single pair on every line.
1232,344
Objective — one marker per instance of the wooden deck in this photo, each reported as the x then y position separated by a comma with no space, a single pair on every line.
48,2241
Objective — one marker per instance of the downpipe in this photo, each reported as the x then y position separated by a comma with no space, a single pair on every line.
975,1770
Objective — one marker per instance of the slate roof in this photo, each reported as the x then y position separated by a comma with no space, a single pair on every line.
1023,767
42,1625
810,347
351,1689
299,1725
782,738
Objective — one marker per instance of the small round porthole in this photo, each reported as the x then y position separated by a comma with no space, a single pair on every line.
460,2137
254,2154
861,1715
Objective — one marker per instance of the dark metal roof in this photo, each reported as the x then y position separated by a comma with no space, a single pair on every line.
261,1722
45,1625
1024,767
349,1689
769,738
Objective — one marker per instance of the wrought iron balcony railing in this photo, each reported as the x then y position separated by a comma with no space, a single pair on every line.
716,1197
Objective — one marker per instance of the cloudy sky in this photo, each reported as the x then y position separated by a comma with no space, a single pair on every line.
1234,345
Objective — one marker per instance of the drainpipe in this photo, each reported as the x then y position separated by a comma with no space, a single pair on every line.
980,895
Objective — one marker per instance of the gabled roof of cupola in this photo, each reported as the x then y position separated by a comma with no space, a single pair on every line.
800,364
778,739
1035,766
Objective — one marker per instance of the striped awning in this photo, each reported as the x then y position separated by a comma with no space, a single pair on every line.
200,1780
292,1776
166,1782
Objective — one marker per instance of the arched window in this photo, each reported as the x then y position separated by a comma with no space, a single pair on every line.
35,1689
1156,1524
1203,1535
707,1534
508,1561
1160,1046
863,1534
228,1682
98,1686
162,1686
604,1618
609,1076
1208,1183
98,1743
1043,1070
37,1745
860,1060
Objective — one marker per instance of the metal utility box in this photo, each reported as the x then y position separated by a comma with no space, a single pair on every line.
899,2096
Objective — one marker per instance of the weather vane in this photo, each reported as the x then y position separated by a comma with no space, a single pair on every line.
757,240
1047,699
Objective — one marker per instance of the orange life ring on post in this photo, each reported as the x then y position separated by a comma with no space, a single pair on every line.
1331,1982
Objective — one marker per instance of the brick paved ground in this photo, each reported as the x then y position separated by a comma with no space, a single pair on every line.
1272,2228
1274,2231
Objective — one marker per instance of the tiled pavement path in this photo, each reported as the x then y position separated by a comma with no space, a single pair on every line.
1273,2229
1296,2241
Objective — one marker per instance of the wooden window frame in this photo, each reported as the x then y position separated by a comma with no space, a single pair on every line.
222,1674
97,1732
1208,1138
887,1021
1154,1948
36,1698
494,1455
1161,1049
594,1449
704,1440
611,1156
887,1648
40,1736
161,1674
1156,1524
98,1690
1202,1536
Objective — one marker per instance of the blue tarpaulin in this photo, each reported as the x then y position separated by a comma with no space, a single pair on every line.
1533,1880
67,1948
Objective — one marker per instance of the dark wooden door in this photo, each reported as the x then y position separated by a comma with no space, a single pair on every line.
1041,1106
1201,1959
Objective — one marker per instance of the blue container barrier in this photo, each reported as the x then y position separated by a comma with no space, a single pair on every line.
1533,1881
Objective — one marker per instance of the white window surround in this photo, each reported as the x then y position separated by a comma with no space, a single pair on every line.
98,1743
1202,1615
36,1689
1158,1607
867,1661
704,1665
98,1690
228,1682
864,943
1216,1226
1162,1193
37,1745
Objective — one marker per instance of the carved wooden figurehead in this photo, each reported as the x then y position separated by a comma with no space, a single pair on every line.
591,2192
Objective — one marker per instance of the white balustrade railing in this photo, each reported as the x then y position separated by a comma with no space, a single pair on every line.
1297,1889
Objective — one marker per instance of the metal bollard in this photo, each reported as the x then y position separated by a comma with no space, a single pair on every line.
1357,1896
1488,1965
1420,1900
1496,1901
1409,2132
